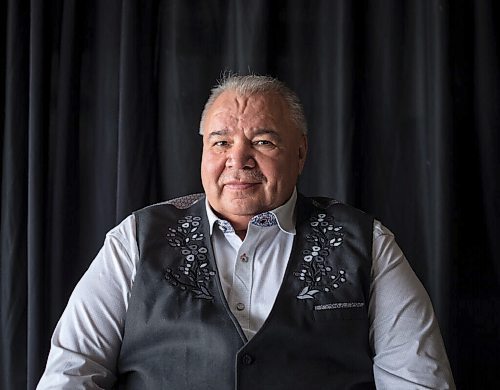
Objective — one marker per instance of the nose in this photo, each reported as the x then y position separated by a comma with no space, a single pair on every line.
240,156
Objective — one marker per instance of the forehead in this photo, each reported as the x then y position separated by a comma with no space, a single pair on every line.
248,109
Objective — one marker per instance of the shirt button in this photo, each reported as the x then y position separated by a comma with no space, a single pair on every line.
240,306
247,359
244,258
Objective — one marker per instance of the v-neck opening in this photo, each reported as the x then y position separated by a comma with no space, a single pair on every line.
288,269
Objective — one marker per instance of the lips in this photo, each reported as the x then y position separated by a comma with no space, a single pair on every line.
240,185
241,180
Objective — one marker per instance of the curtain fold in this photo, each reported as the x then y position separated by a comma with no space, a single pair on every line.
13,224
137,111
38,114
101,102
487,114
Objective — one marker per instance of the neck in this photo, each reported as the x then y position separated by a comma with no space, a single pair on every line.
239,223
241,234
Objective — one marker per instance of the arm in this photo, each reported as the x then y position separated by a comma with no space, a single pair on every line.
87,339
408,349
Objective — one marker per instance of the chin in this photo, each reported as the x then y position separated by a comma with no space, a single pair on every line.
244,207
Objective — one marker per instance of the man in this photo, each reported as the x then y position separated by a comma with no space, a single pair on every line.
252,285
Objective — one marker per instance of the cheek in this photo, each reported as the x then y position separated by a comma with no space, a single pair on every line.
274,169
282,170
211,167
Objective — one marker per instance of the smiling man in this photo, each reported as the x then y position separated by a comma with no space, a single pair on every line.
250,285
253,153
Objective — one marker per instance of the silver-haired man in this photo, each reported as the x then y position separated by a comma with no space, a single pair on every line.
250,285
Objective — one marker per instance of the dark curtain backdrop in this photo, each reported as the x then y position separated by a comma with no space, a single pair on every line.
100,104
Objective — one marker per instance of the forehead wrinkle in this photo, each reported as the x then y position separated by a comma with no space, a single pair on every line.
223,119
232,110
241,103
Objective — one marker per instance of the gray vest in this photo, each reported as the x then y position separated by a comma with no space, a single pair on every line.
181,334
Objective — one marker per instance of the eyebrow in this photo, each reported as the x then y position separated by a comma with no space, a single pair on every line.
266,131
270,132
223,132
218,133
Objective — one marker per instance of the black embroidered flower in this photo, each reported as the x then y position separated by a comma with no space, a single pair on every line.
315,272
194,273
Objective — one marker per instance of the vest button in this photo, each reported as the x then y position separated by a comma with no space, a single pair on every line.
240,306
244,258
247,359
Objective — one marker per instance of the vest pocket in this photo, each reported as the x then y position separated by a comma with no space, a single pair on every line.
335,311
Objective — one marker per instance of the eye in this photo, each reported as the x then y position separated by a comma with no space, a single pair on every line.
263,142
221,143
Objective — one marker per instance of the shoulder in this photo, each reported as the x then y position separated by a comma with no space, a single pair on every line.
125,231
170,208
335,207
179,203
151,219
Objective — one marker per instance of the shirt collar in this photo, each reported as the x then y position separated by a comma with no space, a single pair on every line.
285,215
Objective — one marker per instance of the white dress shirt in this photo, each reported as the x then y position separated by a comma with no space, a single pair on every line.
404,334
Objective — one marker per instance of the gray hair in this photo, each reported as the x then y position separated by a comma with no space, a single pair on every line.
255,84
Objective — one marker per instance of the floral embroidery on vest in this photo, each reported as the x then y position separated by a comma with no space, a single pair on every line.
315,272
193,274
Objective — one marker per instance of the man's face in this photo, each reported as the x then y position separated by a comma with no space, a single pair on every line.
252,154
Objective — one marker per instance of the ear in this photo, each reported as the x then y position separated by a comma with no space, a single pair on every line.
302,152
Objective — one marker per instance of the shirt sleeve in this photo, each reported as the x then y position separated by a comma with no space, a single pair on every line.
87,339
408,348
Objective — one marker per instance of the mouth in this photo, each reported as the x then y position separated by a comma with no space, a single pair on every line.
240,185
